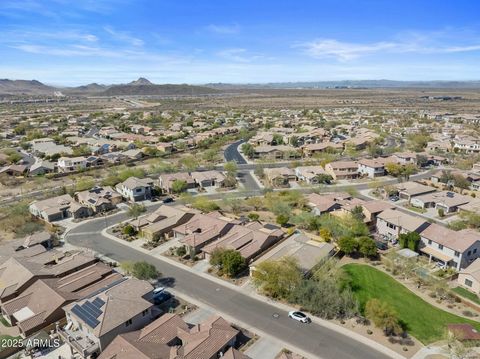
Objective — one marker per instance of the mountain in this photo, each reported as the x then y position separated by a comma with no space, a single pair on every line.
157,90
28,87
349,84
140,81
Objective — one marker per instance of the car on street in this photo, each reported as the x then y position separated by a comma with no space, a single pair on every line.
168,200
299,316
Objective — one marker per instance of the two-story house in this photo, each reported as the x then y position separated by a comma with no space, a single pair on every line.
135,189
392,222
94,322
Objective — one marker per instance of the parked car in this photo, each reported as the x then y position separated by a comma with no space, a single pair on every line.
299,316
394,198
168,200
381,245
162,297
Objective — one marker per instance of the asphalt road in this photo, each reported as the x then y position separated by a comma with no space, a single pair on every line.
312,338
231,153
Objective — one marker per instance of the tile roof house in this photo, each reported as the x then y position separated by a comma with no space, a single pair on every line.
169,337
456,249
40,305
341,170
161,222
392,222
249,240
166,180
310,174
57,208
469,277
202,229
94,321
407,190
371,168
446,200
135,189
208,178
25,267
279,176
329,202
99,199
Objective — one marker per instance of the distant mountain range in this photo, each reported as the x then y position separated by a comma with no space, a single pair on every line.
349,84
140,87
143,87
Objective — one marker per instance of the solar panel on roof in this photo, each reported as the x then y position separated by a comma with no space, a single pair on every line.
85,316
91,309
98,302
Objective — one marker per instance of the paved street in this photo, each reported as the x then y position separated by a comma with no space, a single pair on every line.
313,338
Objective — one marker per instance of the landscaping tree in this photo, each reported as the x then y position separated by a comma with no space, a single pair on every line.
325,234
348,245
441,212
129,230
277,279
228,261
253,216
248,150
383,316
409,240
461,183
179,186
277,139
135,210
140,270
367,247
282,219
357,212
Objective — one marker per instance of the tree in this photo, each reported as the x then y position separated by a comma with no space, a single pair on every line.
231,168
253,216
325,234
228,261
461,183
282,219
441,212
348,245
409,240
383,316
129,230
179,186
248,150
393,169
277,279
357,213
367,247
135,210
277,139
140,270
324,178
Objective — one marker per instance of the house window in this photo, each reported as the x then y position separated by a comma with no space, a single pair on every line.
145,312
440,246
457,254
128,322
469,253
430,242
474,250
138,190
392,226
468,282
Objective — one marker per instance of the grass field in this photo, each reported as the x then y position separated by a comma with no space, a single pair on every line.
467,294
422,320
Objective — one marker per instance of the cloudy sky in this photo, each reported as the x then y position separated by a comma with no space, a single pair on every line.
66,42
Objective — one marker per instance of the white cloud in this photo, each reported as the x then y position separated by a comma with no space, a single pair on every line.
238,55
345,51
123,36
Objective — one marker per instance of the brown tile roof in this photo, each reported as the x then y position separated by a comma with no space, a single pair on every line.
459,241
401,219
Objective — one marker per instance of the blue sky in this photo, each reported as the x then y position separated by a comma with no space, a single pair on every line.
110,41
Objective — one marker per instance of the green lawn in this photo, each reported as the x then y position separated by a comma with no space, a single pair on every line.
422,320
467,294
4,322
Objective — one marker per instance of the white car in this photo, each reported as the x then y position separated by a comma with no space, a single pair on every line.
299,316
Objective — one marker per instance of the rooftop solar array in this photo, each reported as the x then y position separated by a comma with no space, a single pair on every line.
89,312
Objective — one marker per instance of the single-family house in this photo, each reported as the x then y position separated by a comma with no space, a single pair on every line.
279,176
456,249
71,164
448,201
408,190
210,178
58,208
342,170
135,189
99,199
469,277
310,174
166,181
371,168
94,321
392,222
